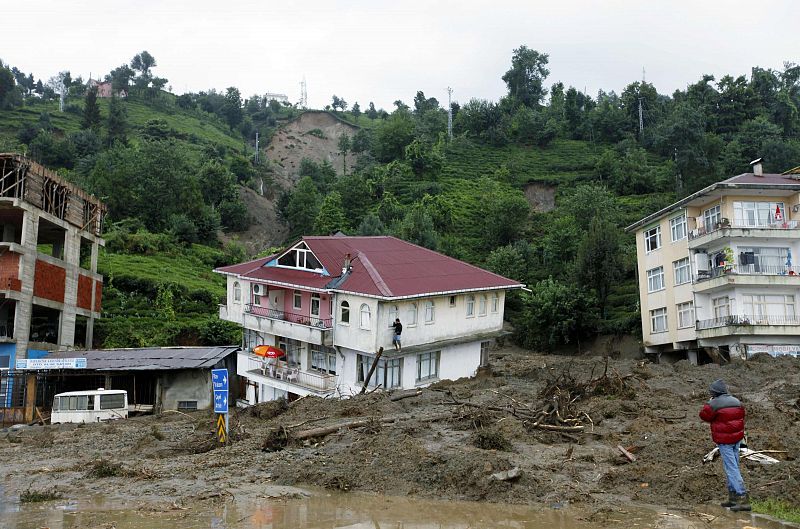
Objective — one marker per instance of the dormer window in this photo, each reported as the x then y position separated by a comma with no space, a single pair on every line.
300,257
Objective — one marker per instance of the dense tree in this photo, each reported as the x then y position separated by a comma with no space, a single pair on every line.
344,145
356,110
331,217
525,79
303,207
91,111
232,107
117,123
121,78
392,137
371,112
598,262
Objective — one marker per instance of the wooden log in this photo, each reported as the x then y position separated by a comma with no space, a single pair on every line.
327,430
371,370
408,395
630,457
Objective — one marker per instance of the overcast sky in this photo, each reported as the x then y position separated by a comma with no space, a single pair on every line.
382,51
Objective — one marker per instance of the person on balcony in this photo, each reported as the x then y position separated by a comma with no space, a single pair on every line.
398,330
725,413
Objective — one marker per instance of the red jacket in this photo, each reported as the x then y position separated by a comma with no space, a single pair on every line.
726,415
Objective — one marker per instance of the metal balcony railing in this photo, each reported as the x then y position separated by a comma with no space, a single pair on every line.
274,314
757,225
746,319
749,269
292,375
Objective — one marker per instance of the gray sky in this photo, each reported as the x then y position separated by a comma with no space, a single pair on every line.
382,51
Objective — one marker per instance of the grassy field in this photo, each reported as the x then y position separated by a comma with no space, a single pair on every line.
193,126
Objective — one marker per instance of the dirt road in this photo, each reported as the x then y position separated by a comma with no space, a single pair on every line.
454,440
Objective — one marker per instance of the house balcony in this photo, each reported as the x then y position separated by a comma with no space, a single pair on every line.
278,374
743,325
747,275
700,237
303,327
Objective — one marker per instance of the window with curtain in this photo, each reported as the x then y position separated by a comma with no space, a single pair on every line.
470,306
365,316
237,292
429,312
412,314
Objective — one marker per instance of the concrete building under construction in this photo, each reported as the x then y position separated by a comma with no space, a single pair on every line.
50,290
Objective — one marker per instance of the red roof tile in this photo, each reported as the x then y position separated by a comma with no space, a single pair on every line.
381,266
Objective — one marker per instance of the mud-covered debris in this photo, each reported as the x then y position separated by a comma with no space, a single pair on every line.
507,475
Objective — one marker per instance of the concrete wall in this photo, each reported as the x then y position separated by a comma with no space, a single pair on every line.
187,384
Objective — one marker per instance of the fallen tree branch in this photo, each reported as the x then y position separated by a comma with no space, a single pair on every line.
401,396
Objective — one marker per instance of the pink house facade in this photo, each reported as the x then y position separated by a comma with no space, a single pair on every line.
104,89
329,304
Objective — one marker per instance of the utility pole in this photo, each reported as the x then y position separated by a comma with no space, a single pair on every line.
449,113
641,114
303,93
256,156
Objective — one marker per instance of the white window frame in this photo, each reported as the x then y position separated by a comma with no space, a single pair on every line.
658,316
315,299
495,303
428,366
721,307
655,279
470,306
757,213
652,239
297,300
237,292
482,306
413,314
683,271
365,316
344,313
685,314
393,314
430,312
712,216
677,227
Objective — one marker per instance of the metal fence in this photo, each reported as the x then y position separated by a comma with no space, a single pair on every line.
746,319
302,319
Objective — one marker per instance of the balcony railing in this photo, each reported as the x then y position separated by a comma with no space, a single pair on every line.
302,319
749,270
292,375
745,319
758,225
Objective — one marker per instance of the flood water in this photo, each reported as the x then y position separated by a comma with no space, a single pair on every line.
345,511
327,511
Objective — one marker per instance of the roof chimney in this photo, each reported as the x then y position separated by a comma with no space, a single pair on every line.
346,266
757,169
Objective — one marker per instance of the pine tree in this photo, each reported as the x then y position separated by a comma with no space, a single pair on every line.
91,111
330,218
117,123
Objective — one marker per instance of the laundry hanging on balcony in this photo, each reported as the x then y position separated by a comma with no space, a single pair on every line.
268,351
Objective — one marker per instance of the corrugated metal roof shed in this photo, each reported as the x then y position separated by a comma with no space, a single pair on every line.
150,358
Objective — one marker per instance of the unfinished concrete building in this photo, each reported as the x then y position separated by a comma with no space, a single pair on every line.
49,286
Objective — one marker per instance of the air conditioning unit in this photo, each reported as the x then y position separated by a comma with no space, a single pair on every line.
258,290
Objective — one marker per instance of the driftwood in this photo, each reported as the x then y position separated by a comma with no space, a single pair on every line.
327,430
745,453
407,395
630,457
371,370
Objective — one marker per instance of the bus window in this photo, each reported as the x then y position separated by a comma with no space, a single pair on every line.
90,404
113,401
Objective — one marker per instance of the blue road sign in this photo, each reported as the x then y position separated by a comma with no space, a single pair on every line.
219,382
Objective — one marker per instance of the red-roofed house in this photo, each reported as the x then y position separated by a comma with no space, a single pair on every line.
330,302
718,270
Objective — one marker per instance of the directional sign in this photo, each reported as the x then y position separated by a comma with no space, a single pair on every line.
219,382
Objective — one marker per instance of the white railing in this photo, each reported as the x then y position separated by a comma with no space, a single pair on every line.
746,319
698,232
749,270
278,370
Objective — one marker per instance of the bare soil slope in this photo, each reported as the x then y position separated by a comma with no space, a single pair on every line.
449,441
313,135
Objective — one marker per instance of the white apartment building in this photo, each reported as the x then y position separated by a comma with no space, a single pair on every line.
718,270
329,304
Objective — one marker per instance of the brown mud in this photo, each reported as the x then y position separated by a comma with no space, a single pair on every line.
452,441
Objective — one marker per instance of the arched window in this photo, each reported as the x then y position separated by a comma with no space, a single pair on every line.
412,314
393,314
482,306
345,318
470,306
365,316
429,312
237,292
495,302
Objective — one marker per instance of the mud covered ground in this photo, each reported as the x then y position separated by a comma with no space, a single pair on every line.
431,447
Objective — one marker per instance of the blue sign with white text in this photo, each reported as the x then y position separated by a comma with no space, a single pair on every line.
219,382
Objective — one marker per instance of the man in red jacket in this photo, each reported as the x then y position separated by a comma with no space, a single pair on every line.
726,415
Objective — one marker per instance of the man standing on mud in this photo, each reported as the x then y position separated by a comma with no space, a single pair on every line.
726,415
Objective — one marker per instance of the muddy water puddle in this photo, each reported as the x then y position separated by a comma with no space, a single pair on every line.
324,511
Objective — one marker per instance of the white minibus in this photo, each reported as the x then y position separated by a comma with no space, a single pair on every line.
90,406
